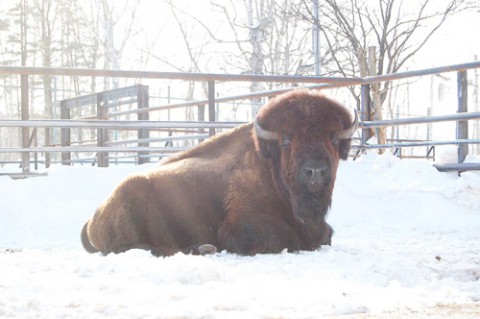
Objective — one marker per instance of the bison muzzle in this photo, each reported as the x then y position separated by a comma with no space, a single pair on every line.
263,187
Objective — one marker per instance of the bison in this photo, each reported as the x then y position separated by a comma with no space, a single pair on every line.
262,187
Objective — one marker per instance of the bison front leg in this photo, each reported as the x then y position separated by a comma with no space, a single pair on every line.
257,234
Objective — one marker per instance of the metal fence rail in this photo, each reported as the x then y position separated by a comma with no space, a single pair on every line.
157,125
422,120
106,149
462,117
109,124
206,77
203,77
415,144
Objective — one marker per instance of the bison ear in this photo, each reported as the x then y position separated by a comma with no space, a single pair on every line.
344,148
268,148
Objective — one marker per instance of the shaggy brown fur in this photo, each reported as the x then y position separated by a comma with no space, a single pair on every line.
235,191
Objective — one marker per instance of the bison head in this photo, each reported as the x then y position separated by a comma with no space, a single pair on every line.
304,135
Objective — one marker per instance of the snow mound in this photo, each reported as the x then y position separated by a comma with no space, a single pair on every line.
406,244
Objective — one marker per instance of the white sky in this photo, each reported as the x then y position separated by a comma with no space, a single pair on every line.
453,43
456,42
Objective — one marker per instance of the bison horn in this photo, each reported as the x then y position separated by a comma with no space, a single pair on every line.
263,133
348,133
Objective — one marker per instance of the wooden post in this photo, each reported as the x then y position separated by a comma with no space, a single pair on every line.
33,140
211,105
102,134
376,100
476,108
25,116
462,126
365,102
47,143
201,118
65,132
365,112
142,103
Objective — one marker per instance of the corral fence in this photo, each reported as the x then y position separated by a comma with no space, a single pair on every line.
101,105
106,114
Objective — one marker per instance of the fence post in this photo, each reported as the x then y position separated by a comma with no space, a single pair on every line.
34,140
25,115
201,118
102,134
462,126
47,143
211,105
142,103
365,112
65,132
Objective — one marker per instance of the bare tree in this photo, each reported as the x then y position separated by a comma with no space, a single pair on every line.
259,37
366,39
46,20
268,37
110,16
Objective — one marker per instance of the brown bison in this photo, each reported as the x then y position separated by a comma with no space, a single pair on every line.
260,188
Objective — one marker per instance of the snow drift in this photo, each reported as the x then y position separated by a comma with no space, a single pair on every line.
406,244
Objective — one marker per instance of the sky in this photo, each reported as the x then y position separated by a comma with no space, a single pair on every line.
453,43
453,38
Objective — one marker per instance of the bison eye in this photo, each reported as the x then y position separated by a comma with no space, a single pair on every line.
308,172
335,140
286,141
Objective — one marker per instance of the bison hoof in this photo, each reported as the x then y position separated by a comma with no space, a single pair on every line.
202,249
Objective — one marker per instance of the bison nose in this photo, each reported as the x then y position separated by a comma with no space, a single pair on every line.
314,174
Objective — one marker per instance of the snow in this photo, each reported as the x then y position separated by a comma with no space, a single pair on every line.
406,244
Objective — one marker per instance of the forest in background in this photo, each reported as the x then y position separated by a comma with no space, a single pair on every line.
280,37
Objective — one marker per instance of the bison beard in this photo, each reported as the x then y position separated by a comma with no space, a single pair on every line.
310,213
230,192
311,209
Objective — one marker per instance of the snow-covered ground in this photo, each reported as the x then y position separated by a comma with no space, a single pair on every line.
406,245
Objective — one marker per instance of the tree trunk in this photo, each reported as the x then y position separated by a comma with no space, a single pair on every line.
25,108
376,97
45,7
256,24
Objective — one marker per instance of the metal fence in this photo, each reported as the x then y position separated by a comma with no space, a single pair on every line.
103,121
103,103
